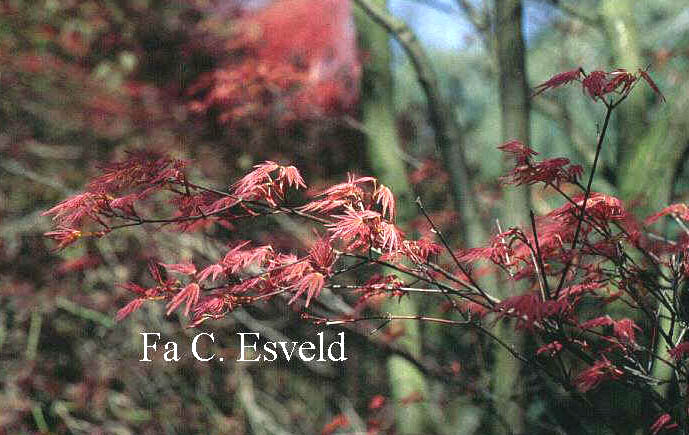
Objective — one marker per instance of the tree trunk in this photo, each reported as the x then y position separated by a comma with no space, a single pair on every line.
508,388
384,157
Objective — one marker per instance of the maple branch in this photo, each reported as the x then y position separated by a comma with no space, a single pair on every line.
283,209
539,256
390,317
445,288
389,288
577,232
449,249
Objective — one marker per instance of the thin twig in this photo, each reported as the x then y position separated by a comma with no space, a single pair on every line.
449,249
577,232
391,317
539,256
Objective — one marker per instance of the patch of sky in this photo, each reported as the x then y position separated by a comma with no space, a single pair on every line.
441,24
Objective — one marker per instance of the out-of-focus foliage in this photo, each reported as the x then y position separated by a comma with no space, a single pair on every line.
82,82
311,74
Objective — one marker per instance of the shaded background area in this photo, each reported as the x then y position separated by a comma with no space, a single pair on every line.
83,81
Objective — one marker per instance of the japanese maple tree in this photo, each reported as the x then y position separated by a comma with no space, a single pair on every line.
578,262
